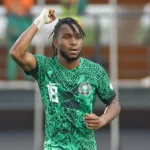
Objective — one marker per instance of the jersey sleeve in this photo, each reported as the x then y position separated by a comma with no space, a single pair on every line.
39,71
105,89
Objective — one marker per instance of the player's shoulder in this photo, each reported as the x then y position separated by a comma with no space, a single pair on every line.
38,56
92,65
42,58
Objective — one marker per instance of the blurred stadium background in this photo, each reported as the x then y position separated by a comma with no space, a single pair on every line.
118,37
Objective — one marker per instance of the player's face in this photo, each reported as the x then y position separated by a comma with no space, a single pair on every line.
69,44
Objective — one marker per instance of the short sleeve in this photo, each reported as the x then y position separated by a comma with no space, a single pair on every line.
105,89
39,71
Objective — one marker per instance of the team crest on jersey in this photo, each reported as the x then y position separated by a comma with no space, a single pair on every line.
84,88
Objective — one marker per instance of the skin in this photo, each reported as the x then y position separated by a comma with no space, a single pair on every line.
19,50
69,47
95,122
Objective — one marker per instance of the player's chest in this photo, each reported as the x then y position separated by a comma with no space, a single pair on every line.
70,80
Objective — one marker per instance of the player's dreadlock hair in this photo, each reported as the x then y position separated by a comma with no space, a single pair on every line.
69,21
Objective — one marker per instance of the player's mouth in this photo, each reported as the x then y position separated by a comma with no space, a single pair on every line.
74,49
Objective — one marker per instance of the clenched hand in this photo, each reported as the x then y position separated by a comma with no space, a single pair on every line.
94,122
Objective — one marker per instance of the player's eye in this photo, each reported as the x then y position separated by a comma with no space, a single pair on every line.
66,37
78,36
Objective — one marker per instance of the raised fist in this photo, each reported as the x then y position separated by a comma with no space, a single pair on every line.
46,16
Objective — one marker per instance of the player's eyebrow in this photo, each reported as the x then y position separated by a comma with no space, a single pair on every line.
70,34
67,34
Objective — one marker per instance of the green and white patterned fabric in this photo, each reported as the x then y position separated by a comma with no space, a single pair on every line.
67,95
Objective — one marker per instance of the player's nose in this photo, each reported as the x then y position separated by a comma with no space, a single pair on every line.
73,41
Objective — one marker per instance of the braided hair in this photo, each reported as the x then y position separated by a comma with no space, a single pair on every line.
69,21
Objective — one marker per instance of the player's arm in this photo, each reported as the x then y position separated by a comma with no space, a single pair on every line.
107,95
111,111
19,50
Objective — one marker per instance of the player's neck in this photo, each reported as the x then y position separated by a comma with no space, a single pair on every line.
68,64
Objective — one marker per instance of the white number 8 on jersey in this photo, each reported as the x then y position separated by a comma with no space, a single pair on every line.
53,92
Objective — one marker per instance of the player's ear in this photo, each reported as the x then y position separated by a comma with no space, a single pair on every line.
55,43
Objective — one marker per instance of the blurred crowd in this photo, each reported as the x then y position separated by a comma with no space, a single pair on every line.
133,35
20,18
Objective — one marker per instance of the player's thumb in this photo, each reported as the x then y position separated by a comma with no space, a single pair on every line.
51,17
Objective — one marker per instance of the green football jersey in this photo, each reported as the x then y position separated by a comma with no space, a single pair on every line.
67,96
